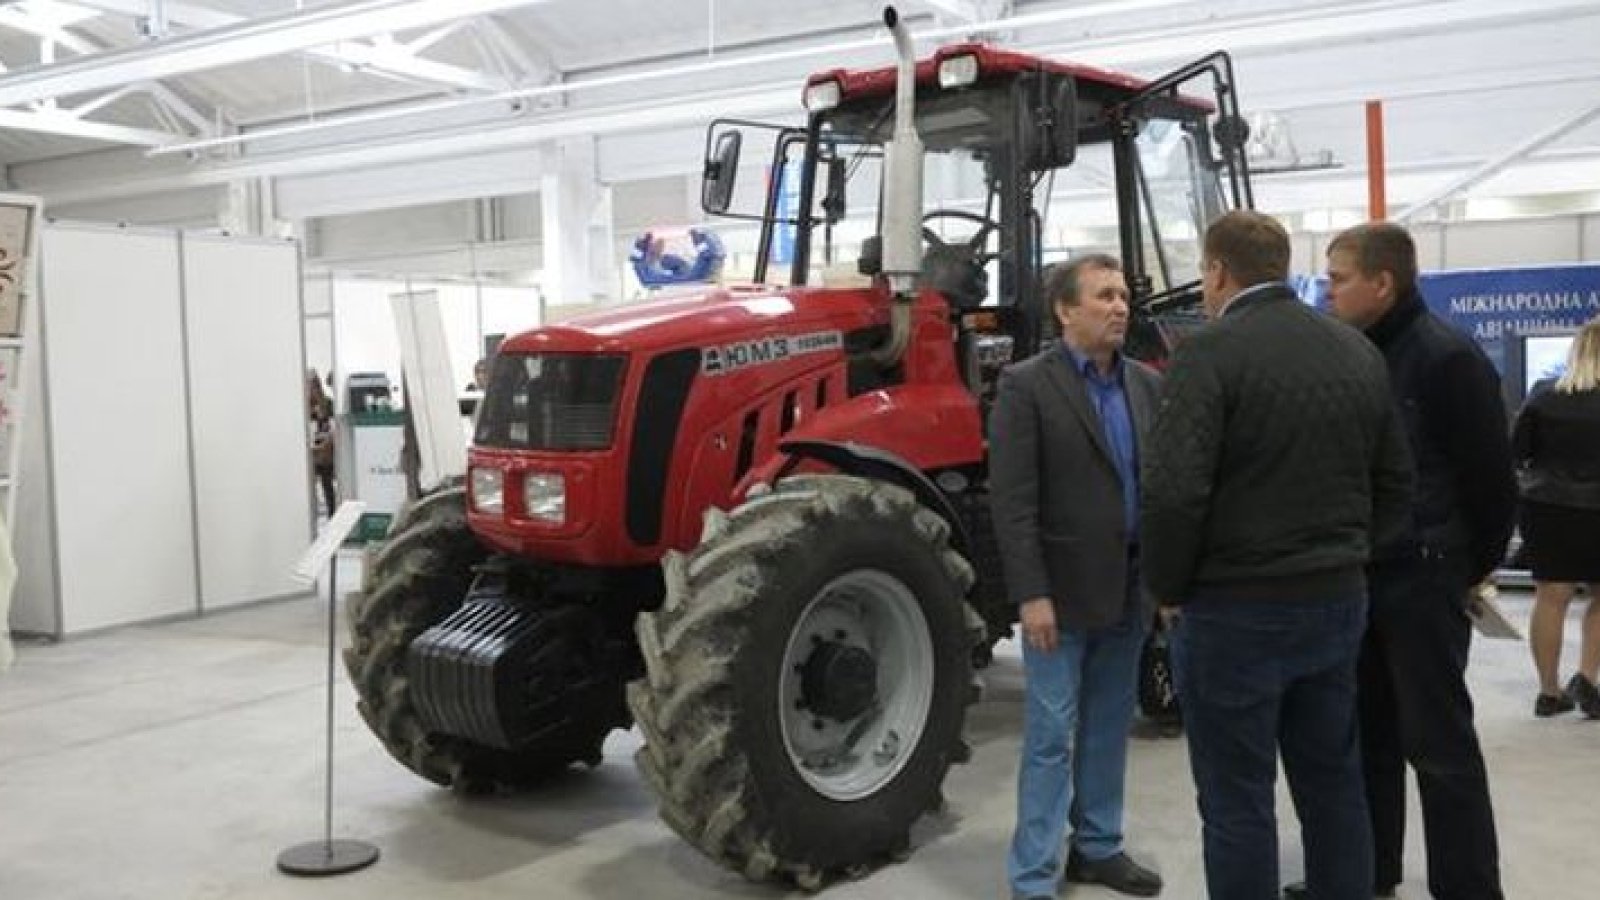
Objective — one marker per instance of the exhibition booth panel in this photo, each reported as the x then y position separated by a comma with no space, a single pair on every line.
169,475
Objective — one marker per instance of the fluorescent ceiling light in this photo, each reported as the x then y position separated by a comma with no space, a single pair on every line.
255,39
765,58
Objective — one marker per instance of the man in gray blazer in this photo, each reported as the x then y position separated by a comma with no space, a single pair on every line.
1064,466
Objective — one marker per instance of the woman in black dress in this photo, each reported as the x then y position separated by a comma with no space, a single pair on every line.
1557,444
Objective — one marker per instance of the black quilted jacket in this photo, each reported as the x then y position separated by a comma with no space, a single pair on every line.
1449,400
1277,460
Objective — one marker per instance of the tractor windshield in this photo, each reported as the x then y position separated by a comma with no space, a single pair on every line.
1176,184
1180,195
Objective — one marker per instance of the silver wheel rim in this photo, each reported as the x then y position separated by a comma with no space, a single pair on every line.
853,760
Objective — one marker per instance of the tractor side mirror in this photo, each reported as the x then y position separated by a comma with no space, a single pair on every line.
1047,127
721,171
833,202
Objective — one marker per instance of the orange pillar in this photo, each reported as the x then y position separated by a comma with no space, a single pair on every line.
1377,204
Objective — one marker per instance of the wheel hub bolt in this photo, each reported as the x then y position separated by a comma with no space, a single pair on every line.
888,750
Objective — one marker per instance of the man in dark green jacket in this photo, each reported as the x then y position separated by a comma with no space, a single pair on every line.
1275,465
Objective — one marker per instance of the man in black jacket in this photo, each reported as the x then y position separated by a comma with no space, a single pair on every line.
1413,694
1274,465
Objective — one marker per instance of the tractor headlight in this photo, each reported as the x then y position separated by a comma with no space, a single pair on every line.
823,95
544,496
958,71
488,490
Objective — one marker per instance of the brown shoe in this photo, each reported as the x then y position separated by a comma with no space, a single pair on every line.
1118,872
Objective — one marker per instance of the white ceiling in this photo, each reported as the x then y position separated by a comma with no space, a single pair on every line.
1464,81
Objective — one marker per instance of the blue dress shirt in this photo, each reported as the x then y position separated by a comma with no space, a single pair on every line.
1110,396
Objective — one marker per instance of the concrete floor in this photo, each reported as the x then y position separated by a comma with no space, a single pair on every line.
174,762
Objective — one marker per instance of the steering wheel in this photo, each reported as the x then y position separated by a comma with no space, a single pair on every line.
972,245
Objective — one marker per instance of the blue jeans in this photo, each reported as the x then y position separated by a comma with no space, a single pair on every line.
1079,706
1257,678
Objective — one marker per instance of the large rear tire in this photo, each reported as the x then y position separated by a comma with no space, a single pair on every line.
807,680
418,577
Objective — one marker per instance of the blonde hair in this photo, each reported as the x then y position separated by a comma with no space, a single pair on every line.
1583,361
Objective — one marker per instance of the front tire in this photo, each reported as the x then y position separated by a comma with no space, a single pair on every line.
807,680
418,577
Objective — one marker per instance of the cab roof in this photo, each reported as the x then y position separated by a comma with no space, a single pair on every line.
993,62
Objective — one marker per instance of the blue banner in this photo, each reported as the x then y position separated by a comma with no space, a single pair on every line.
1490,304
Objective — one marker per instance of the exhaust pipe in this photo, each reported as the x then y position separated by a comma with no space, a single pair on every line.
902,196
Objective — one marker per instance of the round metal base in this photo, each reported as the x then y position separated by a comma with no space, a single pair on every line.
318,859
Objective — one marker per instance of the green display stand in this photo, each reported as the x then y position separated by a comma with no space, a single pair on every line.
376,438
371,528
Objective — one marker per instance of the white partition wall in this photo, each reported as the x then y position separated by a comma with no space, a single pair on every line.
118,420
246,365
169,476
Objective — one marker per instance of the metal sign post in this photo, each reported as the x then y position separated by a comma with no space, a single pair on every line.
328,856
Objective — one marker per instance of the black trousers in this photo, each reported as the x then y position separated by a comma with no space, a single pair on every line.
325,481
1415,709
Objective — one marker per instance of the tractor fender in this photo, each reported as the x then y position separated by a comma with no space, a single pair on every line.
875,463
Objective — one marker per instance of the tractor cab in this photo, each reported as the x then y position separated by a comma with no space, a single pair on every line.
995,128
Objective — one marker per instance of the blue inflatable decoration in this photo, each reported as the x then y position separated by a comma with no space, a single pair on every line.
655,267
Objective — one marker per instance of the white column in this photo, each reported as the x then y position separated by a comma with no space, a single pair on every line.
576,224
241,202
249,207
604,277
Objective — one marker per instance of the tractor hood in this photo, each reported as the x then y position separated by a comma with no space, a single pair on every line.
705,317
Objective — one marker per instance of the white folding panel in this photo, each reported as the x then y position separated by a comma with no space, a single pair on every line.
430,387
247,401
458,312
119,438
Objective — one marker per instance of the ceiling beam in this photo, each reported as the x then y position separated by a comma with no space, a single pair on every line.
531,63
1500,163
762,99
379,57
244,41
1282,29
48,29
51,24
390,58
66,124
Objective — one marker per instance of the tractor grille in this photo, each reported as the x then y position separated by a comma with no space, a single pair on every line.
551,401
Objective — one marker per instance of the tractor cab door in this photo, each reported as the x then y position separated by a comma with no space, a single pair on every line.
1180,164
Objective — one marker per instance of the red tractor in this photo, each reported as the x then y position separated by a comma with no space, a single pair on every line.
754,521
